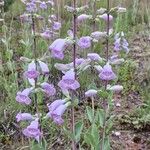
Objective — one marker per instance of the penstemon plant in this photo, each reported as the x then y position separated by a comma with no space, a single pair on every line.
37,73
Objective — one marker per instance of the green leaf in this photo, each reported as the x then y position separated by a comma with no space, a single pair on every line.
68,133
107,143
78,130
90,115
95,134
88,139
38,146
100,117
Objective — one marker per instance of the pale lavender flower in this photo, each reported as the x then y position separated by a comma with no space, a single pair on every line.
121,43
31,73
57,114
115,88
94,57
48,89
31,7
25,18
68,81
98,35
44,67
117,44
33,131
55,104
57,48
56,25
23,97
114,60
63,67
90,93
84,42
83,17
43,5
125,45
51,2
47,34
24,117
105,17
107,73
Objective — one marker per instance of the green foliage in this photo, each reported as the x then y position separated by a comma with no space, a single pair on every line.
7,4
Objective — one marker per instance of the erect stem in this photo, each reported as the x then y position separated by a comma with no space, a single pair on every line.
94,22
106,106
35,58
74,65
108,24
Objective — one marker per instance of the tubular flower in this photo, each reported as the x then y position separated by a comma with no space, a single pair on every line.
84,42
56,25
57,48
47,34
43,5
32,131
31,73
24,117
94,57
105,17
48,89
44,67
107,73
31,7
23,97
115,88
68,81
56,110
83,17
90,93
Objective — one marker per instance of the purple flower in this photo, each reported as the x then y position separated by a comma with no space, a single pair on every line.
83,17
121,43
24,117
105,17
84,42
68,81
107,73
44,67
125,45
114,60
43,5
23,97
50,2
57,48
47,34
48,89
117,44
55,104
90,93
56,25
31,7
32,131
57,114
56,110
94,57
115,88
98,35
31,73
63,67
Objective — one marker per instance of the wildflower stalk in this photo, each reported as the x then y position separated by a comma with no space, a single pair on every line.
106,106
74,65
35,58
94,22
